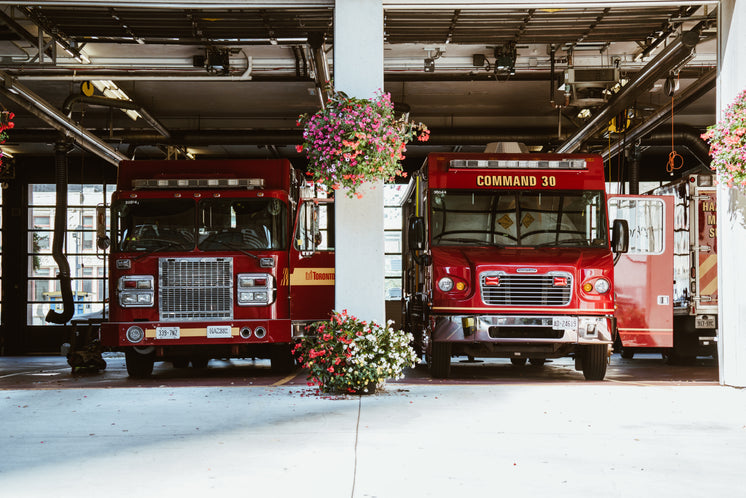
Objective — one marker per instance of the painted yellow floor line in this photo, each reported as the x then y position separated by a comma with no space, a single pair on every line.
286,379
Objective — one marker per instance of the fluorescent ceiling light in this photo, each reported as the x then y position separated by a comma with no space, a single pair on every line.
111,90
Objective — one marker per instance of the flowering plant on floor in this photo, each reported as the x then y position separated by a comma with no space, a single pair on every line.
727,140
348,355
352,140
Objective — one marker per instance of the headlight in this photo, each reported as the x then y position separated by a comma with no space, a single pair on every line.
602,286
136,291
255,289
445,284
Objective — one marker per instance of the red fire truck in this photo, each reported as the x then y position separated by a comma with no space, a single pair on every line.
673,239
215,259
508,255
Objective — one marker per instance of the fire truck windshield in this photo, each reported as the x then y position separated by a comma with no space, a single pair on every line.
518,218
150,225
154,225
242,224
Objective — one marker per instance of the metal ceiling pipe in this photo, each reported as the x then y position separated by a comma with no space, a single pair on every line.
692,93
18,93
67,107
672,56
288,137
322,75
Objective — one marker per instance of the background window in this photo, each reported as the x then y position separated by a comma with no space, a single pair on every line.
88,264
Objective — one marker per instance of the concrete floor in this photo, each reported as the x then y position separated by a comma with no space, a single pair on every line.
527,437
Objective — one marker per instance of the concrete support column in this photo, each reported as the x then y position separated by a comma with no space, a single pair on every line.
358,71
731,207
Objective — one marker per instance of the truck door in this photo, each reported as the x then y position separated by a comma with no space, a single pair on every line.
704,246
311,270
643,277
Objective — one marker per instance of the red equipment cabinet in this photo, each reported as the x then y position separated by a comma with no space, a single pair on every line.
215,259
667,292
508,255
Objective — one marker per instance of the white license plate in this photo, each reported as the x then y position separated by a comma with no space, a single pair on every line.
167,333
704,323
219,331
564,322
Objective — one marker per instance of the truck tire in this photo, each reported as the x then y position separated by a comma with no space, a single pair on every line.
537,362
139,366
594,361
281,359
440,360
518,362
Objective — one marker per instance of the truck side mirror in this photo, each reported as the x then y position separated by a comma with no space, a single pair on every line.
416,240
416,236
620,236
102,240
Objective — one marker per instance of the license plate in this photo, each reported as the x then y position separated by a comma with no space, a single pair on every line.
564,322
219,331
704,323
167,333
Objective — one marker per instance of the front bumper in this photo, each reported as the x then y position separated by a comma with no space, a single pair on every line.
523,329
114,334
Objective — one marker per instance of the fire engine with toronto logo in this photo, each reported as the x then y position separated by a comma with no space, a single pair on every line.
215,259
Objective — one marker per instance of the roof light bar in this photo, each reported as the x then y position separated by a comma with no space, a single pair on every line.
248,183
522,164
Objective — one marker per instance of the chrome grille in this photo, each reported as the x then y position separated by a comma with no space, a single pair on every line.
525,290
195,288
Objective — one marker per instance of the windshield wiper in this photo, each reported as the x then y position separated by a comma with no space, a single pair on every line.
464,240
234,247
165,245
583,242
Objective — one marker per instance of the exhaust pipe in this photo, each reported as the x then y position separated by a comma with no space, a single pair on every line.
61,149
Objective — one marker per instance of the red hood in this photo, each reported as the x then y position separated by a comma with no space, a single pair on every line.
464,265
482,258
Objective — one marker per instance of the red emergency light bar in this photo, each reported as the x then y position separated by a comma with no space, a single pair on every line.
247,183
519,164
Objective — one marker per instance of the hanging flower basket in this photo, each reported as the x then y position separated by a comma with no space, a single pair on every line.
727,140
347,355
6,123
352,141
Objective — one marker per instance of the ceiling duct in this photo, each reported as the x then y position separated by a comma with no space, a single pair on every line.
673,56
590,87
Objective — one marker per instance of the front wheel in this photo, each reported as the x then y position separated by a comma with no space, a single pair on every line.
281,359
594,361
139,365
440,360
